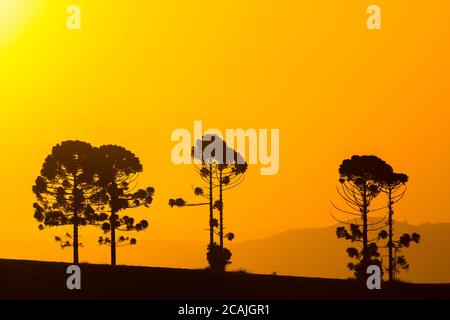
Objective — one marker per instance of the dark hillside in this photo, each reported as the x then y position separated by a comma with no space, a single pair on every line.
46,280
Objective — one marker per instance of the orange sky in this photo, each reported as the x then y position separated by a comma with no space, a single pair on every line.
137,70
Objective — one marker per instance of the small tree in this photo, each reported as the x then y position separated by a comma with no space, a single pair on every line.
361,182
218,258
230,168
118,171
65,191
398,261
362,258
394,186
222,168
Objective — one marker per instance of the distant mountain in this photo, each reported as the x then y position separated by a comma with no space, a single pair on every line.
318,253
314,252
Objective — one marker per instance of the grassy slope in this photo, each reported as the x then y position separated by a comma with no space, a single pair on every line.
47,280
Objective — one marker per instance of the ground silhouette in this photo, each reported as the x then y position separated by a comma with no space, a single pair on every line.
21,279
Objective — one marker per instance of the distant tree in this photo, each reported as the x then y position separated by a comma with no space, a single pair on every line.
220,168
394,186
398,261
118,170
361,181
230,168
65,191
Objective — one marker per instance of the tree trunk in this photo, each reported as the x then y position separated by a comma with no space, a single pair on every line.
221,208
211,208
394,263
113,238
365,228
75,239
366,257
75,221
391,235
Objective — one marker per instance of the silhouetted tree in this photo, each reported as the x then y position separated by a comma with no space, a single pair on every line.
394,186
399,261
230,168
118,170
361,181
220,168
218,258
65,191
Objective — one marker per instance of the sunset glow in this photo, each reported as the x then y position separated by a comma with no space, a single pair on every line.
138,70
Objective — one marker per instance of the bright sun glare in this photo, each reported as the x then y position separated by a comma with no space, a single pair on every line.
13,17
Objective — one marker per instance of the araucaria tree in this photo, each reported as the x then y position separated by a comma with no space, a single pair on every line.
221,168
230,169
394,186
118,170
361,181
65,191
